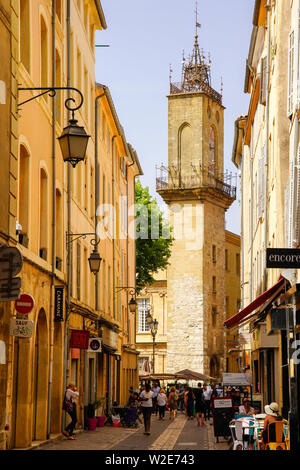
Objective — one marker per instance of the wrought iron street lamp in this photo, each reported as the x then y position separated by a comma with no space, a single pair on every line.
153,324
73,142
132,304
94,259
74,139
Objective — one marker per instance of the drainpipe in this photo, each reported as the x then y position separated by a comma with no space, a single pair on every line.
52,289
97,189
69,264
268,7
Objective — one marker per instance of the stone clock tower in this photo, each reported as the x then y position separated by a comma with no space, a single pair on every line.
198,193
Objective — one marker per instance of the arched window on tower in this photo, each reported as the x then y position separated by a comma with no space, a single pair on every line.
212,150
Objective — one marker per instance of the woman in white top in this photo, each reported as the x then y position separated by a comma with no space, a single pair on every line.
162,400
146,399
69,405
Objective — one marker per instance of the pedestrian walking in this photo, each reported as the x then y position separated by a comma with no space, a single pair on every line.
155,389
190,404
146,398
162,400
181,398
207,391
173,403
69,405
199,404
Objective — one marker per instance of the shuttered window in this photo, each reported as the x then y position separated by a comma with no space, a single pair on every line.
263,82
291,73
78,271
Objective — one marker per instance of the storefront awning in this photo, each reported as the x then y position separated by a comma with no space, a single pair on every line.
266,297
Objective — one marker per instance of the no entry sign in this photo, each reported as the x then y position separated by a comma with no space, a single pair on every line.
24,304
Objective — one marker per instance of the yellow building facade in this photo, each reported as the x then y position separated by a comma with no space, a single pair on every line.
266,152
58,209
233,298
154,299
9,43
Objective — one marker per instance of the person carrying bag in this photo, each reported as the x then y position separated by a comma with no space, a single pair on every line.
69,406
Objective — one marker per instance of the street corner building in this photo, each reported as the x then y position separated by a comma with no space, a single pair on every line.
49,211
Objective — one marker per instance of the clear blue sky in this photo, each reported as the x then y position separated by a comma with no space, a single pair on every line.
145,37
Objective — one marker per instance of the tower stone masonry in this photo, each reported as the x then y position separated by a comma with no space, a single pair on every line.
198,194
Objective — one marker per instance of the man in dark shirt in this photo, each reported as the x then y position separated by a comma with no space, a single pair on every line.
199,404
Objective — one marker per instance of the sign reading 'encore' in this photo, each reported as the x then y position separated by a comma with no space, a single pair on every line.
288,258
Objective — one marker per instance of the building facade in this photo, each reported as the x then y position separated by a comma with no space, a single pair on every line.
153,299
59,215
9,39
266,152
232,298
198,193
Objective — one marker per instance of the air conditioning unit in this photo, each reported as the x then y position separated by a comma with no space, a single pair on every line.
95,345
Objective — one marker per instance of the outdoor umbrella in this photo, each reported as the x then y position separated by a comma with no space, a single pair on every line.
191,375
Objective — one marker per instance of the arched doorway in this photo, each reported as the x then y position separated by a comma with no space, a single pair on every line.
40,378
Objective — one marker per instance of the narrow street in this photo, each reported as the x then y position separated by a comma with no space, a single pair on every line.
180,434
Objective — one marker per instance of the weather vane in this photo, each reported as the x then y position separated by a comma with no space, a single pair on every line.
198,25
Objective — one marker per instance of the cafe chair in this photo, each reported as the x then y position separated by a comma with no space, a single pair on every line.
239,436
276,439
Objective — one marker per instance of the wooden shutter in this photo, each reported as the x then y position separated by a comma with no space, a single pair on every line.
263,82
291,73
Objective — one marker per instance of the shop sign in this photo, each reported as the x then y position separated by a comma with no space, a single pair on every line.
59,304
21,328
288,258
110,338
223,403
79,339
11,262
237,379
95,345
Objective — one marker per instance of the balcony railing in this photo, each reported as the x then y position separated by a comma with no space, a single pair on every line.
170,179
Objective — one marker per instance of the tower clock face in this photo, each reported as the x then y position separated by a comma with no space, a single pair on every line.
211,162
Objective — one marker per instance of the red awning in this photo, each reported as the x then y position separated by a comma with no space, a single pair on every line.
260,300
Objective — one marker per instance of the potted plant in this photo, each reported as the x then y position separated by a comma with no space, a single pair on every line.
91,420
99,411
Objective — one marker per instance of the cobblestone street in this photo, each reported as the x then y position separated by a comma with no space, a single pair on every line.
180,434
